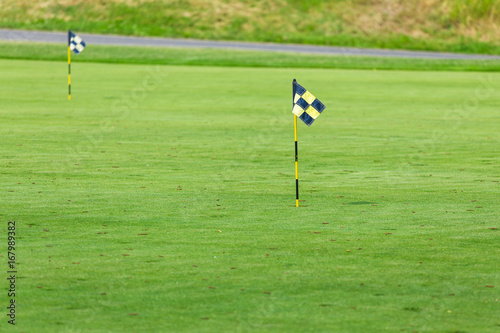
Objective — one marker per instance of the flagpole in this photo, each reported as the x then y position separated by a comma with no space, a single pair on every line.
307,108
296,164
69,68
296,151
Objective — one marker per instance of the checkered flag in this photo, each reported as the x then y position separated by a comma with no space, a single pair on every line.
307,108
75,43
305,105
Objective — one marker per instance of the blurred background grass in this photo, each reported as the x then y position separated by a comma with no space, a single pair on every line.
470,26
237,58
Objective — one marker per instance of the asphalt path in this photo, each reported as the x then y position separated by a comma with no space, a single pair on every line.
61,37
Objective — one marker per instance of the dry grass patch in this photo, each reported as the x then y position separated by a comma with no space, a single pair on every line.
424,24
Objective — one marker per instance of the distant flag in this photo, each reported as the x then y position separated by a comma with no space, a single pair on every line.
75,44
307,108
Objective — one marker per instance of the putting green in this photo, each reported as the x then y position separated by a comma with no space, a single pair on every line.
161,199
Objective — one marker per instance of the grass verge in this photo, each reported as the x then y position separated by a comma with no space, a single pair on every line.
233,58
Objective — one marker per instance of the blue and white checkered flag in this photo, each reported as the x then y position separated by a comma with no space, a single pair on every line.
75,43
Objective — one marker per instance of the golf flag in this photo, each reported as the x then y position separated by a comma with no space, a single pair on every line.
75,43
308,108
305,105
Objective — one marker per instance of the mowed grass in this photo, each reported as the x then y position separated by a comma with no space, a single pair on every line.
235,58
161,199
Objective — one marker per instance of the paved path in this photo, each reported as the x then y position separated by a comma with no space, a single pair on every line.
61,37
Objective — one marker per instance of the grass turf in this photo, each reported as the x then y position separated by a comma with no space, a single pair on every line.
161,198
234,58
453,25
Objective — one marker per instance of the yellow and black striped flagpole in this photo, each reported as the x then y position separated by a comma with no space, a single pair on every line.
69,67
296,165
69,73
296,153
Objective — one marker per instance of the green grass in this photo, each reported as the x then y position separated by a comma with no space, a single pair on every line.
233,58
161,199
451,25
